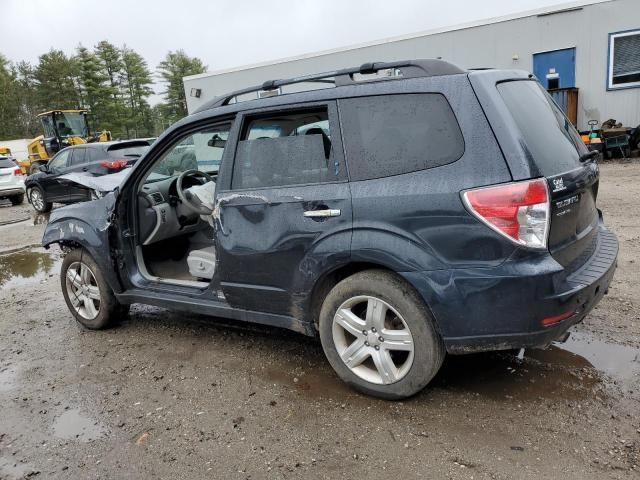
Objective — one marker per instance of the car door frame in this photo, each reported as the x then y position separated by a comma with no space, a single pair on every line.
49,183
127,236
300,288
76,192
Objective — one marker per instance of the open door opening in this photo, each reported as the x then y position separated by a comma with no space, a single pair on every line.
176,241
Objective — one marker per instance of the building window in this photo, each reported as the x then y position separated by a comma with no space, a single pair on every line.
624,60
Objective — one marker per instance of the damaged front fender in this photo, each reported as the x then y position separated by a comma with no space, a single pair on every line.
87,225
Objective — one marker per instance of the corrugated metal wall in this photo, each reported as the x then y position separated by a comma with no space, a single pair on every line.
492,45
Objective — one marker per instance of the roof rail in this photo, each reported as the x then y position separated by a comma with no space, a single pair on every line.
345,76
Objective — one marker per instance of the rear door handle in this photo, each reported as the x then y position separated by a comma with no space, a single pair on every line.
329,212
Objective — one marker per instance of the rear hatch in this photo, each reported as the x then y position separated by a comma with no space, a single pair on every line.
7,169
555,151
130,151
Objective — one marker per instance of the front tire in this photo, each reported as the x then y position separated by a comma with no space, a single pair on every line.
88,296
379,336
37,200
17,199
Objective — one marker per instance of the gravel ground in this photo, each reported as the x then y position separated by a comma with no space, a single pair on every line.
164,396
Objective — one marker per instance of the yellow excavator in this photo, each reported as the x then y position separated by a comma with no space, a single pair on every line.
62,128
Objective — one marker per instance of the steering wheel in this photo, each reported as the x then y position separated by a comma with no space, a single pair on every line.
190,200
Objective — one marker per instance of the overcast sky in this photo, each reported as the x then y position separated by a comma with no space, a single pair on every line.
228,33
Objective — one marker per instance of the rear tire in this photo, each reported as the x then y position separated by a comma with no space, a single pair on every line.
88,296
37,200
17,199
394,360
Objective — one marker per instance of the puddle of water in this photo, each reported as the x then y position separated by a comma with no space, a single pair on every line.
27,267
40,218
500,375
8,379
35,219
617,361
72,425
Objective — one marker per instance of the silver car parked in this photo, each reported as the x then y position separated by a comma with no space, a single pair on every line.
11,181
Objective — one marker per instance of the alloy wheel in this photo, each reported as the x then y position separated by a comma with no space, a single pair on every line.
83,290
36,199
373,340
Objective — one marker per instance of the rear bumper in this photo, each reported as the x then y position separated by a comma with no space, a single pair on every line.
503,308
11,191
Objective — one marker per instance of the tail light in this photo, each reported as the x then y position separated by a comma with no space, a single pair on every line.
17,171
114,164
548,321
519,210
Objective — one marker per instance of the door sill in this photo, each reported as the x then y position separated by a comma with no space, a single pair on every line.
142,268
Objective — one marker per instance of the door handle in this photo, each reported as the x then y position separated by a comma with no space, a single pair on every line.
329,212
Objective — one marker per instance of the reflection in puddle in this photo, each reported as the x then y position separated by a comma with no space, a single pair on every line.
551,373
73,425
617,361
571,371
26,267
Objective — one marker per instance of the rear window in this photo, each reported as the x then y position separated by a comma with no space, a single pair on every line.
396,134
7,163
552,140
127,150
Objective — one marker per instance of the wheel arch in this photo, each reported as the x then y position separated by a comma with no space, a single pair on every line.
331,278
74,233
31,186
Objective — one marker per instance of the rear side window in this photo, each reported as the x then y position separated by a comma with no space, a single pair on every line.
552,140
285,149
78,156
396,134
7,163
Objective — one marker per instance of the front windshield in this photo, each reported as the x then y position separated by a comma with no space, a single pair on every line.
71,124
199,151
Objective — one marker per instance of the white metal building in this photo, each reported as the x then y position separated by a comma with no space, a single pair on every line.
592,45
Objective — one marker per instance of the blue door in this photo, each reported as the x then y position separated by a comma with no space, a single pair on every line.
556,69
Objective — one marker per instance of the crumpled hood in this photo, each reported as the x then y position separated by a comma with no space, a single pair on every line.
103,183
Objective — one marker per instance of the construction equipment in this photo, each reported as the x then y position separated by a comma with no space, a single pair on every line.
5,152
62,128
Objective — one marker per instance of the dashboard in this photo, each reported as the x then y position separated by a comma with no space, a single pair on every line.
162,215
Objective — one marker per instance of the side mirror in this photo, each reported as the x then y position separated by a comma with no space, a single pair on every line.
43,168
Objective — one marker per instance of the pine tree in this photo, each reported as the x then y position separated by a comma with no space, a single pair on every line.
27,95
110,58
95,91
172,69
56,81
9,106
136,85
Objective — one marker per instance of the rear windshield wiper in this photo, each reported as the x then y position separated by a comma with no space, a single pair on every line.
588,156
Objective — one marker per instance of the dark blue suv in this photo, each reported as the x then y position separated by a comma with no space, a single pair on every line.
396,210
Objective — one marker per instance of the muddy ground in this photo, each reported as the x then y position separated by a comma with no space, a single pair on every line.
164,396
